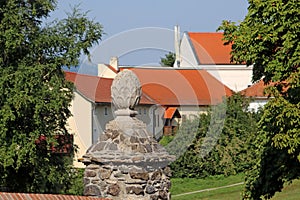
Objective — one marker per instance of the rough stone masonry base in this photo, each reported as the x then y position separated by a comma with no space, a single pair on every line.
127,182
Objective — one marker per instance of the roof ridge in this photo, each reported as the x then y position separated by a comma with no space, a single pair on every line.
208,32
87,75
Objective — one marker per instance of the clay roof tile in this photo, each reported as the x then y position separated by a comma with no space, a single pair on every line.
209,48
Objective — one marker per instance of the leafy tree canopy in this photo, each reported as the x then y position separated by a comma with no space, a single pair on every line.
168,60
34,96
268,38
220,147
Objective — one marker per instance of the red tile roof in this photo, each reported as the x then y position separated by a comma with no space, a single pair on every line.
92,87
170,112
209,48
23,196
95,88
160,86
256,90
181,86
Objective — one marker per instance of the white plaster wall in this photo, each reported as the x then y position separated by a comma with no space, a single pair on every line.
191,112
146,114
102,115
80,124
257,104
236,77
152,116
188,58
105,72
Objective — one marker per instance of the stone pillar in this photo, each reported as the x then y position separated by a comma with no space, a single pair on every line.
127,162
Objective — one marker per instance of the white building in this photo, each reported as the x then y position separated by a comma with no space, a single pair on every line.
257,95
169,95
207,51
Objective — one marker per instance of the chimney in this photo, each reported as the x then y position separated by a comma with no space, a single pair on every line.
177,46
114,62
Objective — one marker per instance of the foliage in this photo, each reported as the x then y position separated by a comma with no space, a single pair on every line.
183,138
268,39
34,94
227,153
166,139
168,61
76,185
277,149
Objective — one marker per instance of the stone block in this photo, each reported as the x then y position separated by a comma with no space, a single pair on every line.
117,141
167,184
139,175
135,181
137,158
86,181
114,190
113,146
103,137
153,197
103,185
167,171
156,175
114,134
96,181
148,148
134,139
89,173
92,190
104,173
112,181
142,140
124,169
134,147
92,166
99,146
122,138
118,175
141,149
150,189
135,190
163,195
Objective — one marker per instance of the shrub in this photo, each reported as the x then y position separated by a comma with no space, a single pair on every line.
220,147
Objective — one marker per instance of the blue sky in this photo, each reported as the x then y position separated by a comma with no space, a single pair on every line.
124,16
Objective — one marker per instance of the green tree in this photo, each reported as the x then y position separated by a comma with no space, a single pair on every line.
268,39
34,94
168,61
223,142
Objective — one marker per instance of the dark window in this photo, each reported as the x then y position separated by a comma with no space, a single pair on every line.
183,117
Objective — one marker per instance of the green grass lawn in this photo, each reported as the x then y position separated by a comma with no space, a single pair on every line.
179,186
289,192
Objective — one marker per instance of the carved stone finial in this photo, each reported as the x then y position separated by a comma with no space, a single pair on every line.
126,90
126,162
